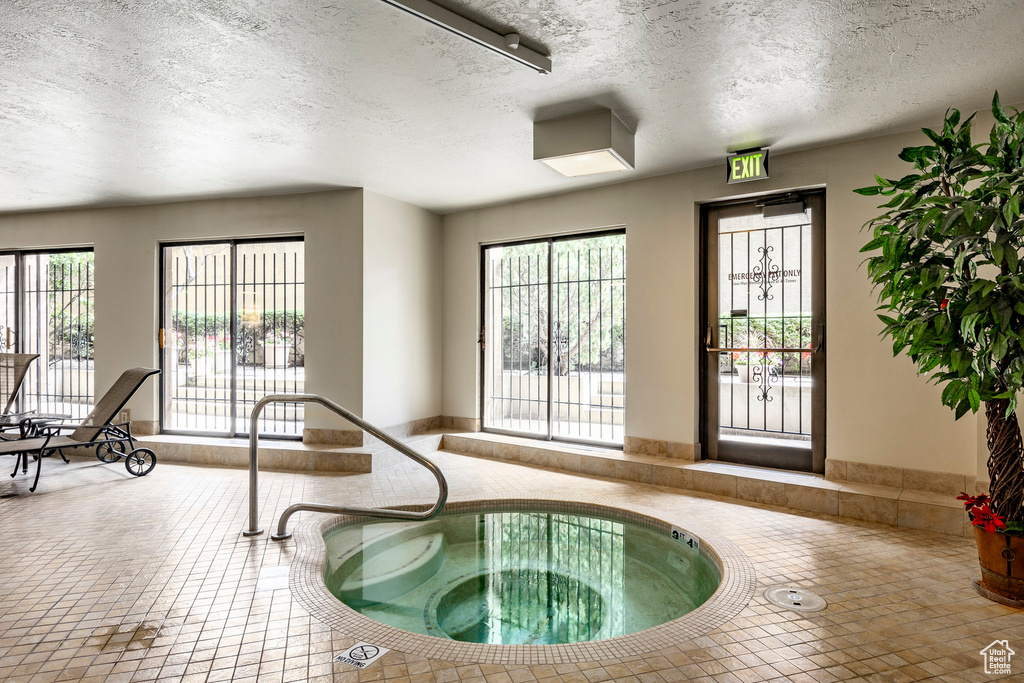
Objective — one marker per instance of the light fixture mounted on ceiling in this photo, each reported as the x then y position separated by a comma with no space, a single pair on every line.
584,144
507,45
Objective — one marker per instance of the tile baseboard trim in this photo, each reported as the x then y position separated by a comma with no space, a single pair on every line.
944,483
463,424
678,450
145,427
332,437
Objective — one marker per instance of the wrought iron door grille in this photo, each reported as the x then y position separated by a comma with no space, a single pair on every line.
233,333
554,338
765,304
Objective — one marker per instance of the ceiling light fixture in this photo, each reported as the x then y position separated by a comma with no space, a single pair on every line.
506,45
584,144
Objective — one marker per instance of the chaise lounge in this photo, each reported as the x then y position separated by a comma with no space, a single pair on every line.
112,441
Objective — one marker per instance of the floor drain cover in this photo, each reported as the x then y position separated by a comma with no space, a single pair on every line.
799,599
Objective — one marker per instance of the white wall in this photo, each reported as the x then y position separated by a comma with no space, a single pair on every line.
401,311
126,241
879,411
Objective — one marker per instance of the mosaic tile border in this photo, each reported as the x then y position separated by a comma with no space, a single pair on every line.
738,585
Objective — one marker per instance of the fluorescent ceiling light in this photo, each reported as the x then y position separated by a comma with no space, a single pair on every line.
585,144
588,163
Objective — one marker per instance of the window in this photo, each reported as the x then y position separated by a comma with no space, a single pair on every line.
46,307
233,332
554,338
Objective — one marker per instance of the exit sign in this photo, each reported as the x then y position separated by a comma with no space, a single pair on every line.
751,164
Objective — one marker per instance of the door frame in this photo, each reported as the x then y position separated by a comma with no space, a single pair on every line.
549,240
707,333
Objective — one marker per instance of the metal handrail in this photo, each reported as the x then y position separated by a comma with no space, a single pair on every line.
282,525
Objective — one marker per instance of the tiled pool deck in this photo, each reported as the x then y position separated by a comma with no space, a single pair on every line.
111,578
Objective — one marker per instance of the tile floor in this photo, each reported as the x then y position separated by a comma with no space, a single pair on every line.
111,578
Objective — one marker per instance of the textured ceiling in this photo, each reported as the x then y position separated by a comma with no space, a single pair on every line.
118,102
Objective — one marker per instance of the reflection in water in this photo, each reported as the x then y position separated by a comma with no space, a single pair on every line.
516,577
540,573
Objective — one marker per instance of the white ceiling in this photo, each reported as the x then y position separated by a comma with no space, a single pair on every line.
130,101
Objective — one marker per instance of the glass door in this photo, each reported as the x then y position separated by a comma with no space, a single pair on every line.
232,332
46,307
8,303
57,323
554,338
763,375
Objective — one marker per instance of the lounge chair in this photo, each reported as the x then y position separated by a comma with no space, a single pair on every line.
13,368
112,441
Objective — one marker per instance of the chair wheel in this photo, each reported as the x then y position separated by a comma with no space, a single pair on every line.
106,451
140,461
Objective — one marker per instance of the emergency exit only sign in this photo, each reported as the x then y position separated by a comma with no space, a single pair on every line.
750,164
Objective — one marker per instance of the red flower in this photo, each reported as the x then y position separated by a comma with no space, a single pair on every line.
984,517
945,302
973,501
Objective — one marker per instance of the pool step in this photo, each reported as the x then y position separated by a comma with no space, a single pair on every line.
393,565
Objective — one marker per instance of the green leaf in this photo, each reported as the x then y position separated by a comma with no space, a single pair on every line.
999,347
949,394
917,155
974,398
997,253
970,208
874,244
951,218
997,110
962,407
889,321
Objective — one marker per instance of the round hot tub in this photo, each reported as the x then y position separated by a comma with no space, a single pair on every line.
501,579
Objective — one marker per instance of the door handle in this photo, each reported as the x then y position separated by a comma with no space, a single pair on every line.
821,339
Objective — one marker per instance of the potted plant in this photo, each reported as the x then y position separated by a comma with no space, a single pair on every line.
277,346
741,361
951,294
1000,553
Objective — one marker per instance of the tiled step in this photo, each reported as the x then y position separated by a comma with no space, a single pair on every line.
287,456
394,564
807,492
273,455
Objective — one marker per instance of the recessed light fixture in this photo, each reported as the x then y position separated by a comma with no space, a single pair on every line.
584,144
